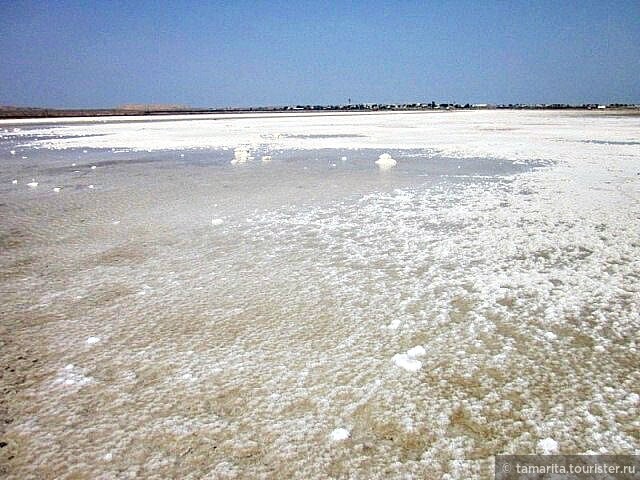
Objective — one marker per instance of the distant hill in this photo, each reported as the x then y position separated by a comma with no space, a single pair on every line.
153,107
11,111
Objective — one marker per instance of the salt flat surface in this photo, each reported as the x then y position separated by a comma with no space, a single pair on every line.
202,313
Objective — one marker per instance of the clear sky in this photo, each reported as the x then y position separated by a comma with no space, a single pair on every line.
241,53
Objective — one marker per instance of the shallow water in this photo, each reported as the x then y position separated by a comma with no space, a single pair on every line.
187,317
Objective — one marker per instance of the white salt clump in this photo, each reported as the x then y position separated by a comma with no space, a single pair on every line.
394,324
240,155
108,457
91,186
344,159
116,222
217,221
550,336
92,340
266,158
12,152
633,398
182,155
599,348
56,189
93,167
340,434
548,446
225,469
417,351
73,164
32,183
385,162
406,362
15,182
72,377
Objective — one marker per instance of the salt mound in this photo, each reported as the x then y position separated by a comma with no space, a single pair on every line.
548,446
32,184
240,155
217,221
394,324
340,434
406,362
72,376
385,162
418,351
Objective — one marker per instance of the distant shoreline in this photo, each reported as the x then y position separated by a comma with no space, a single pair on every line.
18,113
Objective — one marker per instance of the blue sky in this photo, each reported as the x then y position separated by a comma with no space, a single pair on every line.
240,53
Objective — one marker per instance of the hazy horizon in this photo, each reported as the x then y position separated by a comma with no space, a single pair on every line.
83,55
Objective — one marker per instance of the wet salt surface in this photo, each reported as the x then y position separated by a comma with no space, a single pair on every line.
192,317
